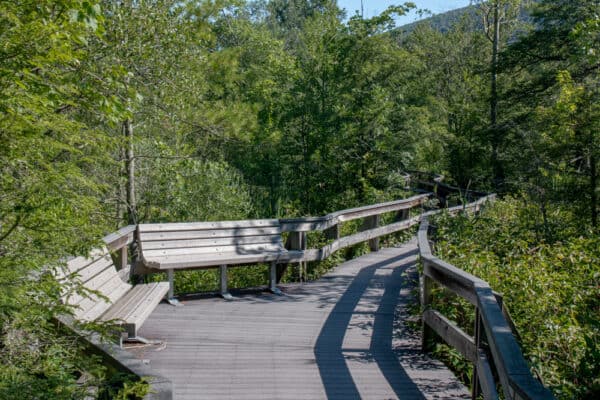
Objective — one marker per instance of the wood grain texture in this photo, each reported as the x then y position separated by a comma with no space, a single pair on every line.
112,297
451,334
341,337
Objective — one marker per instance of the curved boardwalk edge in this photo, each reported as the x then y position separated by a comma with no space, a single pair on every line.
341,337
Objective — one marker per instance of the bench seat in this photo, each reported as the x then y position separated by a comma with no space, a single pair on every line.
132,310
173,246
191,260
110,298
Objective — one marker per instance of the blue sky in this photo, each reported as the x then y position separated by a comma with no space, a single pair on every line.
374,7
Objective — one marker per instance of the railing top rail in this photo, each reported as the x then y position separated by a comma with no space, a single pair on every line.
120,238
305,224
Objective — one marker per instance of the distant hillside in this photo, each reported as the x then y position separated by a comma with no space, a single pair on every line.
444,21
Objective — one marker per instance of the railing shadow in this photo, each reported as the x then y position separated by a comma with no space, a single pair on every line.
329,353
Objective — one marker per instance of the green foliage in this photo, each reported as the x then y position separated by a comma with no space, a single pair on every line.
49,194
189,189
124,387
548,272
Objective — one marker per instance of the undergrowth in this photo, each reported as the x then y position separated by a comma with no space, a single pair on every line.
548,269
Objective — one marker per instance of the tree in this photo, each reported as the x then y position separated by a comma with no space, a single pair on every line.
555,97
49,194
448,100
498,16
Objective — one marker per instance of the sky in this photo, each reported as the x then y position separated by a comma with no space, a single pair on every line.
374,7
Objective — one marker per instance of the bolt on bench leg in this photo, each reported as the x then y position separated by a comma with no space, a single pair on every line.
223,291
273,279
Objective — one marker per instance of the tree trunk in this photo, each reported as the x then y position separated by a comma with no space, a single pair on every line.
593,186
496,139
130,168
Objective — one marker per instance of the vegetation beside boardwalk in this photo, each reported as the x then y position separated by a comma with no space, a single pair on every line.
548,272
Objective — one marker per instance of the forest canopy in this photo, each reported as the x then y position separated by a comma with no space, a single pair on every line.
119,112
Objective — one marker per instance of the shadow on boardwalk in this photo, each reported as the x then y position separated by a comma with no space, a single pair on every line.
329,353
341,337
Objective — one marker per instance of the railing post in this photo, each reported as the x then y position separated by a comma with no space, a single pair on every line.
370,223
122,258
402,215
332,232
425,284
297,241
478,329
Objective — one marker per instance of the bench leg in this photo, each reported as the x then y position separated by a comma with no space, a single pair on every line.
171,295
223,283
273,279
128,337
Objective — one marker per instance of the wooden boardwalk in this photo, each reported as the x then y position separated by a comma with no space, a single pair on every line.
343,337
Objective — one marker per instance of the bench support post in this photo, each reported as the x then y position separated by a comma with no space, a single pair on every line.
171,295
223,291
273,279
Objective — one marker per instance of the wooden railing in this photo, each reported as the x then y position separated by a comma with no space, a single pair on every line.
330,224
493,350
118,243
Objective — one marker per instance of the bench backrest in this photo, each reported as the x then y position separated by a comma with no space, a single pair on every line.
97,273
239,237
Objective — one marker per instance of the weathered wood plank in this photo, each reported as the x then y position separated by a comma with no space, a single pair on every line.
369,223
221,241
486,377
451,334
94,268
213,260
208,251
450,280
207,234
346,241
216,225
120,238
115,289
77,263
325,222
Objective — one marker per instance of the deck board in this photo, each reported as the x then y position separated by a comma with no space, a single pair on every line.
341,337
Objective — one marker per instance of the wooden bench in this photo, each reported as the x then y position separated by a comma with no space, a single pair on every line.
172,246
125,304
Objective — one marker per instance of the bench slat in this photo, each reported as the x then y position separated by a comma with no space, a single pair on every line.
225,241
207,251
208,260
216,225
121,308
93,284
95,268
77,263
114,290
207,234
135,307
144,308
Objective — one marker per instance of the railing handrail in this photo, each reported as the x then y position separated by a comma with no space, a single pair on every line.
306,224
514,374
123,237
